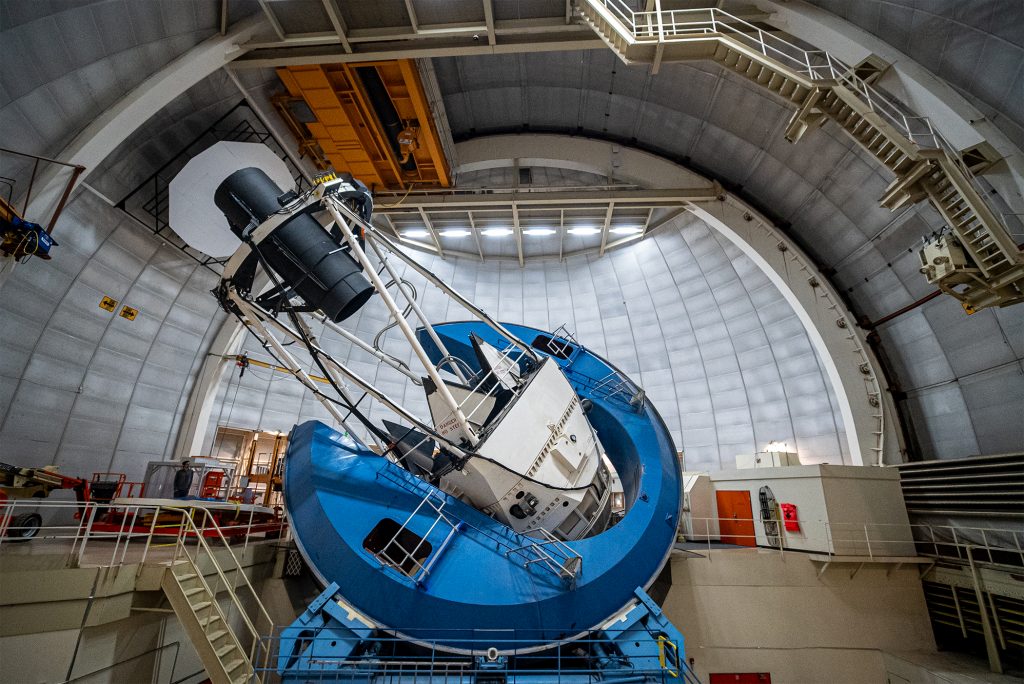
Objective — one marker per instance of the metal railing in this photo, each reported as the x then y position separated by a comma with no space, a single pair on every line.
94,534
998,546
553,554
192,546
816,65
581,660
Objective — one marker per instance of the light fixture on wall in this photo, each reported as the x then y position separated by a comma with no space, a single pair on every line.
584,230
539,231
419,233
454,233
496,232
627,230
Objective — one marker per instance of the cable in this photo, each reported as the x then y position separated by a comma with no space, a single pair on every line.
399,202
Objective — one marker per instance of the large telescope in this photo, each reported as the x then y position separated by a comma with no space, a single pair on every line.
307,258
482,540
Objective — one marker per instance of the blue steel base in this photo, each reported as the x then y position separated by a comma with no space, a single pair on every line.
327,644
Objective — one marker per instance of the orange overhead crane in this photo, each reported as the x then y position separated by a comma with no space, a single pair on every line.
370,119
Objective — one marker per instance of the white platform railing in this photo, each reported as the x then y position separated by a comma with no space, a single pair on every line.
668,26
1000,546
86,537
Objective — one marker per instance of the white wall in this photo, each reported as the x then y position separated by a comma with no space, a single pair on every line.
845,510
755,610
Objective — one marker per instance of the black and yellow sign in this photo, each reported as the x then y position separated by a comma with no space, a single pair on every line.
108,304
129,313
324,177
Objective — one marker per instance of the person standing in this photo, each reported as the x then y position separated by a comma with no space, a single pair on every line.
182,480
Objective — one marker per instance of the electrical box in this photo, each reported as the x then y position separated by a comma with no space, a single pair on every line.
767,459
942,256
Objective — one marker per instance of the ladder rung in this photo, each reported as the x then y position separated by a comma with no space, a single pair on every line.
193,592
196,607
214,636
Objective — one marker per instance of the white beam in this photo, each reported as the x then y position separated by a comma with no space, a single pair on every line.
605,227
433,233
518,232
300,51
412,16
272,18
489,20
338,22
445,201
561,233
476,235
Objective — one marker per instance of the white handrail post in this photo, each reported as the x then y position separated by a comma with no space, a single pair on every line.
661,23
85,536
128,537
149,538
8,514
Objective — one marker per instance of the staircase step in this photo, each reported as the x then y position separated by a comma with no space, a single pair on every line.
224,650
233,665
197,590
214,636
196,607
212,619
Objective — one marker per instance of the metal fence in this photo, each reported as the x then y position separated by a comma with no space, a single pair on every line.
94,534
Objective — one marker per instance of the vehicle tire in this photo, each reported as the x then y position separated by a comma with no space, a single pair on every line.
24,527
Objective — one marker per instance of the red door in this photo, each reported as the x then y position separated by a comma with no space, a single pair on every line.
735,519
741,678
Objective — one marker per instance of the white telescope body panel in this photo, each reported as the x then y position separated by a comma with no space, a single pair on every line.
192,212
542,467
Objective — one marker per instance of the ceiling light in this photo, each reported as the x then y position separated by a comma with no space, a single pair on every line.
454,232
539,231
584,230
415,233
496,232
627,230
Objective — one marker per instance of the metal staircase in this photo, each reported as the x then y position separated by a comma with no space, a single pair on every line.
192,584
976,261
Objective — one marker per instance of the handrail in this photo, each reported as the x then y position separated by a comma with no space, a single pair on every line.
182,547
818,69
817,65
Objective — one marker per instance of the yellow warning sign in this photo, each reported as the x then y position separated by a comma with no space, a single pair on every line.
129,313
108,303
